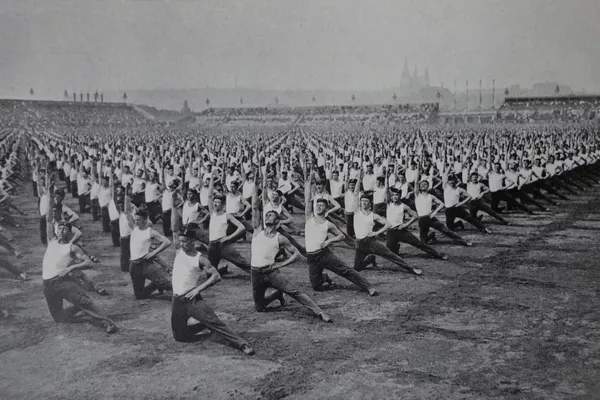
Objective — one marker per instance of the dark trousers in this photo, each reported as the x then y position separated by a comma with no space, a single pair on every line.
84,203
125,253
533,189
95,209
142,269
265,279
166,220
74,189
325,259
115,233
548,187
65,288
43,237
68,182
369,245
154,211
350,225
525,198
35,191
137,199
183,309
395,236
509,199
105,219
461,212
218,251
479,204
427,222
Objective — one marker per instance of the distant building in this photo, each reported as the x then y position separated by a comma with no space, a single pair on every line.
410,84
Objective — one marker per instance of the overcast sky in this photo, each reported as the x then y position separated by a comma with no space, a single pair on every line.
53,45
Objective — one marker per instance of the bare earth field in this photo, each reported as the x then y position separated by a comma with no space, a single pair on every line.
514,317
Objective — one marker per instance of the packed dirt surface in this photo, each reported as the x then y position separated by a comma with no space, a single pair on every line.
514,317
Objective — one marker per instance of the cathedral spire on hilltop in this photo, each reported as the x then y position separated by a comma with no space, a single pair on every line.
413,83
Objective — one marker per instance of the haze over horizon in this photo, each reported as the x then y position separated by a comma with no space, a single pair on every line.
53,45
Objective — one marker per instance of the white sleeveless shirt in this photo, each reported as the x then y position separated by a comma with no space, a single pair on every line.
363,224
248,189
113,213
423,203
395,214
315,234
474,189
217,227
264,250
190,213
379,195
57,258
167,200
104,196
124,228
139,243
349,202
451,196
233,204
186,272
336,188
151,192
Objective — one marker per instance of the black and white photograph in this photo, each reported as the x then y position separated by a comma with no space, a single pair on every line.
301,200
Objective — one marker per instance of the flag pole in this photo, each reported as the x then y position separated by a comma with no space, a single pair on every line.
494,94
480,102
454,97
467,106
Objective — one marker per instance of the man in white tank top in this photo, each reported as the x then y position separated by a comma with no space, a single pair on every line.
265,274
545,180
220,243
188,267
152,197
455,207
104,198
285,221
321,193
396,210
143,266
238,207
319,256
350,207
477,190
367,244
337,187
424,203
498,185
61,258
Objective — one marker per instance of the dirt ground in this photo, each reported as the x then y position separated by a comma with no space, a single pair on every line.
513,317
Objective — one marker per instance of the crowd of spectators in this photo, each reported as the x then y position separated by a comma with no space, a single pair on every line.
70,114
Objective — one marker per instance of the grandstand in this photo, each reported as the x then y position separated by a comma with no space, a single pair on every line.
73,114
568,108
383,113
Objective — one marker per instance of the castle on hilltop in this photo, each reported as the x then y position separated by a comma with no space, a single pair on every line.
410,84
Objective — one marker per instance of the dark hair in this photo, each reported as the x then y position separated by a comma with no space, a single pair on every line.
322,200
187,231
142,212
